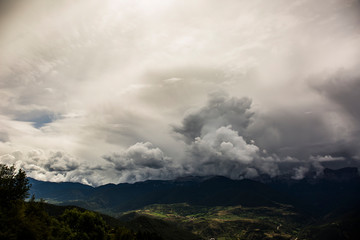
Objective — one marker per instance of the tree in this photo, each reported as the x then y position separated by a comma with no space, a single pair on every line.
84,224
14,185
122,233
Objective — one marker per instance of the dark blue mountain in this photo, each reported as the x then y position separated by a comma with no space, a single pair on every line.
214,191
62,191
335,189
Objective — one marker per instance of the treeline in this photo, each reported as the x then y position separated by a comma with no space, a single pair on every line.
20,219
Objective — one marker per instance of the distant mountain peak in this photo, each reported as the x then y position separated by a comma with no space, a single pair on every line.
192,178
342,174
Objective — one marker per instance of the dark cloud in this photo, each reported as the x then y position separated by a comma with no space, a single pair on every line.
224,152
7,6
41,164
140,155
343,88
142,161
218,142
221,110
78,74
61,162
291,132
227,137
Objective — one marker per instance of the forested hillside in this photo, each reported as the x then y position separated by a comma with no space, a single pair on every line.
35,220
182,209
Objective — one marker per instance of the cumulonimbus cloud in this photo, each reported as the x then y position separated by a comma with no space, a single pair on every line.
142,161
220,110
218,142
224,152
94,77
45,165
216,146
213,147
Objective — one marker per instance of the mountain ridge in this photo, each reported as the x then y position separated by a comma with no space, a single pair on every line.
318,195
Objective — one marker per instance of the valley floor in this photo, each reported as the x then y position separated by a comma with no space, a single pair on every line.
231,222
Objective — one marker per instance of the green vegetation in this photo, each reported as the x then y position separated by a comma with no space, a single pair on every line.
230,222
166,229
31,221
13,186
238,222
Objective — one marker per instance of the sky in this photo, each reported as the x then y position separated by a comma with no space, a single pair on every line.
123,91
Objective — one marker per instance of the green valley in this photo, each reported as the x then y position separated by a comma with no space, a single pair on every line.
230,222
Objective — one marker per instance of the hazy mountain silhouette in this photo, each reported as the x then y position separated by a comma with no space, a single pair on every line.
334,189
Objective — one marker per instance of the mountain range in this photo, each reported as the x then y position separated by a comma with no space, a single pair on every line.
333,190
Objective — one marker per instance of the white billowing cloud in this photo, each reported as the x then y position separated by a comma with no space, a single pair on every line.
326,158
44,165
224,152
224,144
91,77
142,161
57,166
314,165
139,155
300,172
220,110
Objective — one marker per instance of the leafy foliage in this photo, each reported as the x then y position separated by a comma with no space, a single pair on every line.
29,220
84,225
168,230
256,218
13,186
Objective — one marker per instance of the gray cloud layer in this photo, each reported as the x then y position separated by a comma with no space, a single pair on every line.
220,110
143,161
165,88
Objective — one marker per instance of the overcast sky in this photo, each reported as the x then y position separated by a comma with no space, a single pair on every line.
122,91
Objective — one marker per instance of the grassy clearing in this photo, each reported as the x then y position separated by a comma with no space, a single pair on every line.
230,222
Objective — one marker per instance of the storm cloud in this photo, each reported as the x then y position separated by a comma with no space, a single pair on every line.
122,91
39,163
142,161
219,141
221,110
224,152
